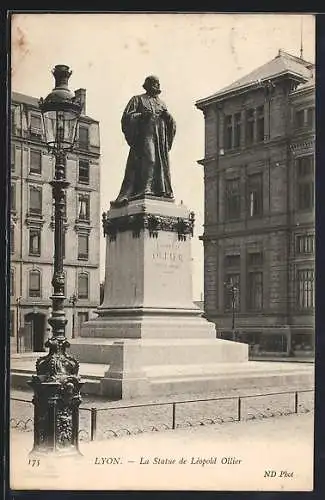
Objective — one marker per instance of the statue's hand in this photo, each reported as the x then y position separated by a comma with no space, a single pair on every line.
165,114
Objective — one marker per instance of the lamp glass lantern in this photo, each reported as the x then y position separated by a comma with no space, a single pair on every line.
60,112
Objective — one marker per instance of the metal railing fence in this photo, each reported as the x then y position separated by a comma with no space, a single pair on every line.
239,411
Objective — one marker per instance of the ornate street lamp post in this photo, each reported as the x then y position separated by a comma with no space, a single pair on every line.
18,299
57,384
73,300
233,293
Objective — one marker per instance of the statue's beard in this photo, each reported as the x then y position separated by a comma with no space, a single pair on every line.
153,92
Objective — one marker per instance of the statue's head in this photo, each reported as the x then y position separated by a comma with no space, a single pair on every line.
152,85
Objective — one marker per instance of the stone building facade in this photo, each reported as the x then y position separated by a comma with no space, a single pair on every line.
259,207
32,226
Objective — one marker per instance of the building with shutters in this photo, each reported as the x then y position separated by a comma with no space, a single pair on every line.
259,207
31,226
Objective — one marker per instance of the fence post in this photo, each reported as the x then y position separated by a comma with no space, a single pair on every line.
93,423
239,409
174,415
296,402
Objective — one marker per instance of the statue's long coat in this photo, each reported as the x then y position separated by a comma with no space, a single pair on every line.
150,138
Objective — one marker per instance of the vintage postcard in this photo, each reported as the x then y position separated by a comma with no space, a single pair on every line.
162,240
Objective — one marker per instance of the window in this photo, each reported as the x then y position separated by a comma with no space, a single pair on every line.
255,195
35,162
250,126
83,286
306,244
260,124
232,199
82,318
13,157
232,261
83,137
304,117
13,120
83,207
12,240
228,131
101,292
34,283
305,166
305,177
13,197
273,342
303,342
311,117
83,172
305,195
232,291
35,200
83,240
36,125
255,290
255,259
299,118
237,130
35,242
36,121
12,283
306,286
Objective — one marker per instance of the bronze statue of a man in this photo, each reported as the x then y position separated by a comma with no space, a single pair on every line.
149,130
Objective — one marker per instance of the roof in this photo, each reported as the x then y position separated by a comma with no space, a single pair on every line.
282,64
308,85
33,101
26,99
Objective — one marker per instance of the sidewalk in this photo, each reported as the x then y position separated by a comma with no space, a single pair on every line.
231,456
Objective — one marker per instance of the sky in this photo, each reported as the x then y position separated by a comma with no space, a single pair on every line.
194,55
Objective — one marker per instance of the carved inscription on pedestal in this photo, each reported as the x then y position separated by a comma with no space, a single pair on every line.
167,257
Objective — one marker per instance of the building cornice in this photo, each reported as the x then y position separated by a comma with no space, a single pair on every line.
255,85
213,238
262,146
39,262
154,224
301,91
303,146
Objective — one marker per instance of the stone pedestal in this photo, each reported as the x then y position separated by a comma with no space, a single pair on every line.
148,323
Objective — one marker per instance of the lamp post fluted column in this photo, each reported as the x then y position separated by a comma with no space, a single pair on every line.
57,384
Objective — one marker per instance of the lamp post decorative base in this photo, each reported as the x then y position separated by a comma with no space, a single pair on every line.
56,387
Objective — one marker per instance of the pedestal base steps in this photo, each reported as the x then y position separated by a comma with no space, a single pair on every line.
148,368
179,379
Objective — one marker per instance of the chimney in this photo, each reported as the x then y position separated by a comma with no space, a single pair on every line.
81,95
